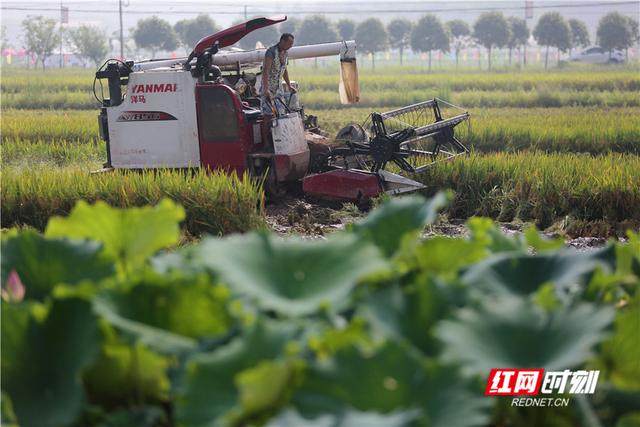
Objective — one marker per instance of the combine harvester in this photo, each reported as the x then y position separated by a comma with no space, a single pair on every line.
203,111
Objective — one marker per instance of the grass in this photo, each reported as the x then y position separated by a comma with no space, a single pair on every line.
215,203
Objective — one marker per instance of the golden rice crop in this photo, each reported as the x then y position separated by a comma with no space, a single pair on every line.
544,187
215,203
574,129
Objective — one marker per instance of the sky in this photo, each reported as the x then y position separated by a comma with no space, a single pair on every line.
104,13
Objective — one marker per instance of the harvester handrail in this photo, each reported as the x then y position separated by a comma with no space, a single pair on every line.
434,127
409,108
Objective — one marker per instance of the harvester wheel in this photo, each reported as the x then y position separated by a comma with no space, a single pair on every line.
352,132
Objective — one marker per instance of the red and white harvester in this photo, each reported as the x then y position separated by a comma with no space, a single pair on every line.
203,111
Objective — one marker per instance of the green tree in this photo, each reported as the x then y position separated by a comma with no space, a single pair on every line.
460,36
615,32
635,34
290,26
316,29
267,36
519,34
399,34
372,37
346,29
89,42
4,41
155,34
41,36
492,30
579,34
190,31
428,35
552,30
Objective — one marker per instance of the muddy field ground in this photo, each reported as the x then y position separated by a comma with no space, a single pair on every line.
315,219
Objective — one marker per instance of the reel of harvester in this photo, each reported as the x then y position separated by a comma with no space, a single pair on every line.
374,157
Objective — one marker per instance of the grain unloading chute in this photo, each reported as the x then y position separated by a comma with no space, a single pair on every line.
203,111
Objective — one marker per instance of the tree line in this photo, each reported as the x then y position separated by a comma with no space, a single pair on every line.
429,34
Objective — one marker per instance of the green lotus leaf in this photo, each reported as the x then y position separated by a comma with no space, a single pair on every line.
347,418
42,263
293,277
144,416
391,379
130,236
7,415
412,312
513,332
539,243
524,274
618,358
389,223
485,232
217,384
43,358
125,373
441,255
168,314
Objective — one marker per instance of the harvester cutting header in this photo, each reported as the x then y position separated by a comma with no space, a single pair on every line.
204,111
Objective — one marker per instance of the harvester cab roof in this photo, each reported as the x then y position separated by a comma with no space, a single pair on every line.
204,111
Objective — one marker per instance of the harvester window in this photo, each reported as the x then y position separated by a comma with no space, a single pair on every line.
217,116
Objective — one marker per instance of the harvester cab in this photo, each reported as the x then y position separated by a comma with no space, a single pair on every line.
203,111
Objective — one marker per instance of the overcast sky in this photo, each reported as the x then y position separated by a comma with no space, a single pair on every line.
104,13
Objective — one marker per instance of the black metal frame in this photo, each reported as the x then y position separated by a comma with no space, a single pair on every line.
384,146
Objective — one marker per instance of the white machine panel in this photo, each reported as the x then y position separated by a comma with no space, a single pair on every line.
155,126
288,134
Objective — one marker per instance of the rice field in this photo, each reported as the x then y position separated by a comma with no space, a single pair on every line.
569,129
597,87
382,98
215,203
557,147
594,78
544,188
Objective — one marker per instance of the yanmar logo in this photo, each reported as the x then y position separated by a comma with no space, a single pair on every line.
144,116
155,88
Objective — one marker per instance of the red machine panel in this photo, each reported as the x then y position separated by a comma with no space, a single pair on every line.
344,185
223,133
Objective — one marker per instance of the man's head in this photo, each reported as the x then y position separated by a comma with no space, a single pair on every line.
286,41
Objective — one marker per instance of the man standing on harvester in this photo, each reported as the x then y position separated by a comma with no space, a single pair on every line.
274,69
